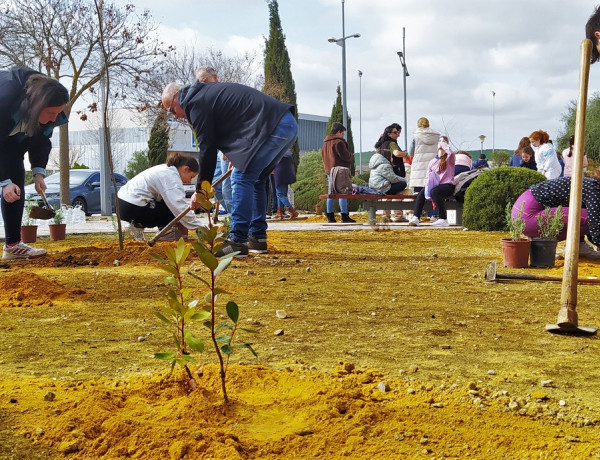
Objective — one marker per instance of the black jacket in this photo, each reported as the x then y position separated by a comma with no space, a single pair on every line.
13,148
233,118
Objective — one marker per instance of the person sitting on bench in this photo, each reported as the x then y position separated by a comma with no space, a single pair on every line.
439,184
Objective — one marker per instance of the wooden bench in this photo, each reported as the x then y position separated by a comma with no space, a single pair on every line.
373,203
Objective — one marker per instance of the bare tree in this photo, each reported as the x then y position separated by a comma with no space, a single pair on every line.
62,39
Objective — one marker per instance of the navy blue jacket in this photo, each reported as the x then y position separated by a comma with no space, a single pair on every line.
13,148
285,173
229,117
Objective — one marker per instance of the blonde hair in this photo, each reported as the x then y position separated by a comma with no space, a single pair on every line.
423,122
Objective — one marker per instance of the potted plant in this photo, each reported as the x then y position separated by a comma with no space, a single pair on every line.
58,229
515,250
543,248
28,229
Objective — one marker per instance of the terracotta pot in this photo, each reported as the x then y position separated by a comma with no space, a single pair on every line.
28,233
515,253
57,231
543,252
318,210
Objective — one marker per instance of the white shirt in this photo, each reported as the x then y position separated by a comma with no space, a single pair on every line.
160,183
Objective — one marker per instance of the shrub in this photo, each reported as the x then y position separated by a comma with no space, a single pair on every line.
500,158
487,197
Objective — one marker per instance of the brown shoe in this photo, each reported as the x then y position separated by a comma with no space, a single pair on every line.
293,212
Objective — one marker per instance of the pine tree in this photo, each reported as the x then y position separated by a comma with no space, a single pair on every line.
337,115
159,139
278,73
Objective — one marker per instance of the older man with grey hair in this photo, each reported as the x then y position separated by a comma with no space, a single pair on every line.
253,130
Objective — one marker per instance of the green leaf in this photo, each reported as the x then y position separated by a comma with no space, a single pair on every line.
233,311
193,275
223,339
170,269
208,298
172,280
164,356
193,303
209,260
249,347
159,258
251,331
224,262
200,315
227,349
162,317
193,342
182,252
207,324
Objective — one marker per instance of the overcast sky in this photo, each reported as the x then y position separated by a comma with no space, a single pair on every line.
457,53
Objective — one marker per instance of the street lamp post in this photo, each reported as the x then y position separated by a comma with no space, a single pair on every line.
401,55
360,121
493,121
482,138
342,42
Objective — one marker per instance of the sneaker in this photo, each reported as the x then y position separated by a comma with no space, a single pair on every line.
136,233
22,251
440,223
257,246
433,219
229,247
587,252
413,221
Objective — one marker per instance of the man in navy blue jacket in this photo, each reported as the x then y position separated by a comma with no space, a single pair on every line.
253,130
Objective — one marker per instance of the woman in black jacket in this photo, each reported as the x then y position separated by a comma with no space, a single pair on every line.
31,105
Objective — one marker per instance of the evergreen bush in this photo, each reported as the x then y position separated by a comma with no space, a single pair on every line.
500,158
486,198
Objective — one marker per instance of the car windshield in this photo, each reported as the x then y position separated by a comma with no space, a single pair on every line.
75,177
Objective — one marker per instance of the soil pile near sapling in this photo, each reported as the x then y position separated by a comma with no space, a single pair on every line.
393,346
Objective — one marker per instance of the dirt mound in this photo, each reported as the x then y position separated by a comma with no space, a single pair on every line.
359,414
28,290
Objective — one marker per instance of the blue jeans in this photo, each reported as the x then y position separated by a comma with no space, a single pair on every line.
249,204
343,201
282,198
218,173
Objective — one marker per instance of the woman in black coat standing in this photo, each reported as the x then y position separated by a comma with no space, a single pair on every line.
285,174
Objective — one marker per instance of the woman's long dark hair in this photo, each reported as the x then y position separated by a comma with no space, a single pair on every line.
41,92
571,143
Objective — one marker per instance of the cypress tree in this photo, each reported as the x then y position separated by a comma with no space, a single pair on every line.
159,139
337,115
278,73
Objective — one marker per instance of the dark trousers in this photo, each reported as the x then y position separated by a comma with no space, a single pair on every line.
437,196
154,214
12,213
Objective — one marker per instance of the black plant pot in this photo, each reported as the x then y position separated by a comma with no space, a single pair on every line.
542,252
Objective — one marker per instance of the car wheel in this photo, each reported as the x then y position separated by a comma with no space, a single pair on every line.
80,201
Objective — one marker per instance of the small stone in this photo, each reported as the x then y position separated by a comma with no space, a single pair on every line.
491,372
116,262
281,314
373,313
278,332
547,383
49,396
382,387
562,402
307,269
410,391
445,347
249,272
141,338
39,432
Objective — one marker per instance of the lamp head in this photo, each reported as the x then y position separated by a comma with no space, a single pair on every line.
360,73
331,40
399,53
356,35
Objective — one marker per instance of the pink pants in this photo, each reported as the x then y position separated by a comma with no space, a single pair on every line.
532,208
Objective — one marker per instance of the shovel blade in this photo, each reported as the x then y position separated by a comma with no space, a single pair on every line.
38,212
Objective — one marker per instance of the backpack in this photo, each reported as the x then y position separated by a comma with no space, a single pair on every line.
340,181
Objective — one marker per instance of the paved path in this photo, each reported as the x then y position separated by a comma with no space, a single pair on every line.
100,224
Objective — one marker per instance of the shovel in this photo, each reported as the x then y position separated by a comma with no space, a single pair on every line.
42,212
492,275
